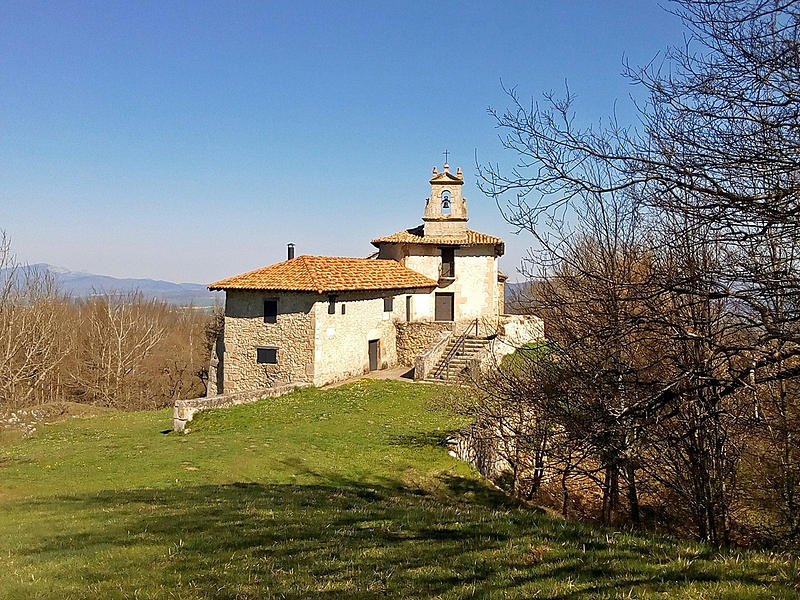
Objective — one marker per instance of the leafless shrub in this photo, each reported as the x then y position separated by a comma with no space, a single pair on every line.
125,352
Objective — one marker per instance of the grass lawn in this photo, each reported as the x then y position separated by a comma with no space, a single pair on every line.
341,493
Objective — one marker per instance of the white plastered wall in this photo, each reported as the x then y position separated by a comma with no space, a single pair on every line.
475,285
341,341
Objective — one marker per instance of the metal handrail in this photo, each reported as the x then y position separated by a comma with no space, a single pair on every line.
444,365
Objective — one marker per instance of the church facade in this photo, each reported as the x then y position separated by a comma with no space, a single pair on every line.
319,319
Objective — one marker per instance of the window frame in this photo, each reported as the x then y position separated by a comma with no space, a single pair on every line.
451,263
270,317
332,304
272,349
388,301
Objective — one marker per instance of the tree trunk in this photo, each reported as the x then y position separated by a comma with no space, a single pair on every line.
633,498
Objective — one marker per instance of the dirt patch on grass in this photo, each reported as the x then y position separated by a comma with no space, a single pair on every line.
24,421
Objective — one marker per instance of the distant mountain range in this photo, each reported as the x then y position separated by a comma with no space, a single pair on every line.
80,284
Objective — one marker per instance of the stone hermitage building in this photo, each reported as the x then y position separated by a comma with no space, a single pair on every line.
317,319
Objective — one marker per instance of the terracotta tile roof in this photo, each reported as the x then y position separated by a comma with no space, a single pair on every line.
415,236
327,274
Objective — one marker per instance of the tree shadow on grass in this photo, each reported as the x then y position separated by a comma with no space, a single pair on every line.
348,540
422,439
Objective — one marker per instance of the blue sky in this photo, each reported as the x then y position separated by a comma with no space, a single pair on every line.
192,141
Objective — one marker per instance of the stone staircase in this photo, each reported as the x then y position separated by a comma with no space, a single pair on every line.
458,361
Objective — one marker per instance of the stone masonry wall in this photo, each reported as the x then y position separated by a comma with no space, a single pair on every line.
427,360
245,330
477,445
414,337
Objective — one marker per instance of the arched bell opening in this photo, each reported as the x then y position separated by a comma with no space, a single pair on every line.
446,202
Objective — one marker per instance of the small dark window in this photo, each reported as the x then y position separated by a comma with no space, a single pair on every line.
331,305
343,311
267,356
448,262
270,311
388,304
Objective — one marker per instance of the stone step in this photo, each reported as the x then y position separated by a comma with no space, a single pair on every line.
458,361
469,349
458,357
453,369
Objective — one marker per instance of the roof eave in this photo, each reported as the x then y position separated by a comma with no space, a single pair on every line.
226,288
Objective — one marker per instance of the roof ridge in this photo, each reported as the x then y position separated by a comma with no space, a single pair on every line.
337,257
311,272
323,273
419,236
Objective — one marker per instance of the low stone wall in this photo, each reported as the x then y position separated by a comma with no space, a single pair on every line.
519,330
414,337
425,362
184,410
513,332
477,446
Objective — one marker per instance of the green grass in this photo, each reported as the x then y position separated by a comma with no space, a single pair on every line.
336,493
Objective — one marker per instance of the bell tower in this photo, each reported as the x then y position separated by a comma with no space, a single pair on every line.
446,209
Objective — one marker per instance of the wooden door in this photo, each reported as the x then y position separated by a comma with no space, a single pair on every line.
373,355
444,307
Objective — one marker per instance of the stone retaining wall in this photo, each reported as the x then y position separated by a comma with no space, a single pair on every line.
414,337
184,410
477,446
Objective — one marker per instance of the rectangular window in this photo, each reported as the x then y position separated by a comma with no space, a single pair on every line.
448,262
388,304
270,311
267,356
331,305
343,311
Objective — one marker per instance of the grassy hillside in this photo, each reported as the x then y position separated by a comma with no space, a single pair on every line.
336,493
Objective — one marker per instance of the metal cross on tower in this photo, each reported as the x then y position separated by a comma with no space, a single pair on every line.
446,154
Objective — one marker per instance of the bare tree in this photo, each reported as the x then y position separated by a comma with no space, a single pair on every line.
680,352
29,323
